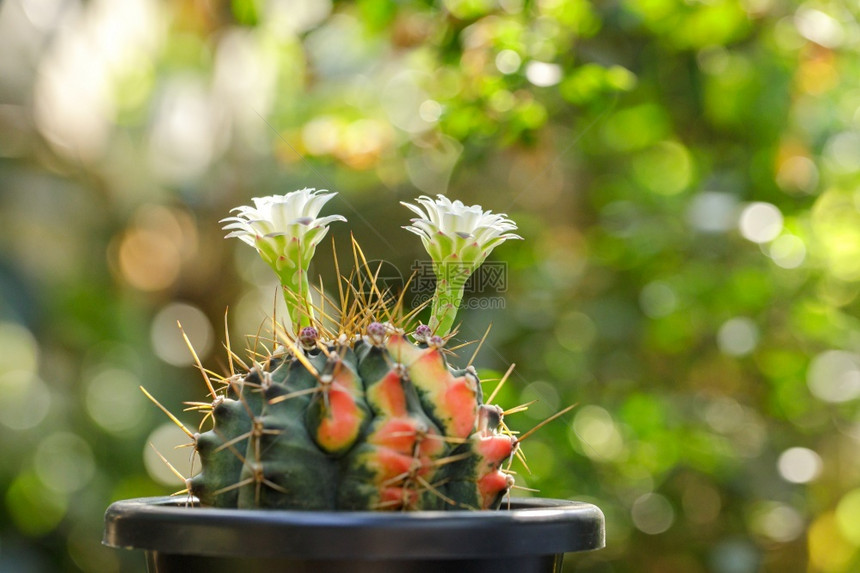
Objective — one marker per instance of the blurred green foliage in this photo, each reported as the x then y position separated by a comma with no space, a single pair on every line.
685,173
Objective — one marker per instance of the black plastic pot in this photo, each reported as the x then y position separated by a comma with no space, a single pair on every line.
531,537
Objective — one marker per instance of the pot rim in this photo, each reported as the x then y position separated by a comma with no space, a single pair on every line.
532,526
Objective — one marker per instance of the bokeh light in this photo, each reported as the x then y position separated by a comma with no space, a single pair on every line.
170,327
701,503
760,222
185,133
575,331
798,173
543,397
777,522
21,349
114,400
848,516
835,226
819,27
161,443
713,211
543,74
788,251
508,61
652,514
843,152
35,509
665,168
834,376
26,400
151,252
658,299
738,336
64,462
799,465
594,432
829,550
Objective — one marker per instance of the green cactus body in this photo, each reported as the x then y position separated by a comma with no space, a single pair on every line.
222,459
275,466
374,422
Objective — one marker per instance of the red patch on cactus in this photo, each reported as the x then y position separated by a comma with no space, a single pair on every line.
387,395
490,485
460,405
398,497
429,369
396,433
403,351
340,426
495,448
455,398
390,464
432,446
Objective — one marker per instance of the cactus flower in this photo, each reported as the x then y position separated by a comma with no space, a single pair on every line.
458,239
285,230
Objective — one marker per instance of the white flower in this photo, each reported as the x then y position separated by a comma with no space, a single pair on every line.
285,229
458,239
451,231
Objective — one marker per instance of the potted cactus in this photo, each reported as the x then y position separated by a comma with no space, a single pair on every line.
351,443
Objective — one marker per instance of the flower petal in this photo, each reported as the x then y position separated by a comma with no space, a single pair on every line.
451,229
277,225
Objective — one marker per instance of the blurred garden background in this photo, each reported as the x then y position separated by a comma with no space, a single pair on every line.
685,173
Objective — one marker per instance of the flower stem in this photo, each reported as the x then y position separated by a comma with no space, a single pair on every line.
297,295
450,284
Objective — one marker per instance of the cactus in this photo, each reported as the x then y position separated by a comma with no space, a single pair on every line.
359,422
366,414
